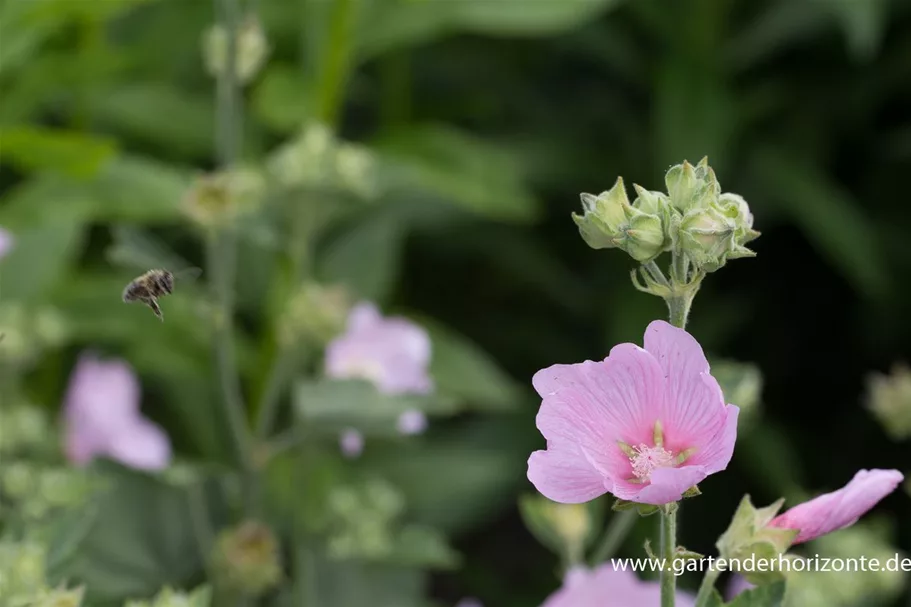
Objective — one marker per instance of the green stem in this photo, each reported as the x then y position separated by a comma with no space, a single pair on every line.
621,523
282,368
222,250
678,308
668,550
337,62
706,587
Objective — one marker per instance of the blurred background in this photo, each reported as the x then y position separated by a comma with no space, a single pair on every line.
426,155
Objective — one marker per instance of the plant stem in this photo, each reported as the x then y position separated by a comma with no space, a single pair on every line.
678,308
706,587
337,60
221,250
668,550
621,523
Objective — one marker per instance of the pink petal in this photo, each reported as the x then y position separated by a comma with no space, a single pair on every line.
717,453
694,405
737,585
666,485
144,446
564,476
6,242
363,316
351,442
839,509
607,587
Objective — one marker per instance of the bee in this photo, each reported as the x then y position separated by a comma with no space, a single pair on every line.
155,284
138,249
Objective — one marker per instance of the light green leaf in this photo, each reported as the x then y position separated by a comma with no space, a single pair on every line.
281,99
160,114
137,189
142,539
764,596
463,370
364,257
356,583
332,405
445,163
32,148
393,24
421,546
830,217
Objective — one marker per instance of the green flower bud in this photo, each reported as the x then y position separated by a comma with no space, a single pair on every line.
247,560
610,221
565,528
217,199
749,535
251,49
201,597
707,235
22,427
315,314
59,597
741,384
889,399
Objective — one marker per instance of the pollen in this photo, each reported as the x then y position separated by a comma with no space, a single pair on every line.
645,459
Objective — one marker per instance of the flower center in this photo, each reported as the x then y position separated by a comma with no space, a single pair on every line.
645,459
366,369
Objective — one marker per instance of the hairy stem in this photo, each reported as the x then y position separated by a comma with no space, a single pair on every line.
706,587
668,550
621,523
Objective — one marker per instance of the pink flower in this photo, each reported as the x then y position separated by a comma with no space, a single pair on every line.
412,421
607,587
392,353
102,418
6,242
351,442
736,585
839,509
643,424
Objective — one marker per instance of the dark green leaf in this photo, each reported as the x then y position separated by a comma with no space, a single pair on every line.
41,257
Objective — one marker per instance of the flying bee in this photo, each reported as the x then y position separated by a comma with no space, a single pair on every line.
155,284
141,250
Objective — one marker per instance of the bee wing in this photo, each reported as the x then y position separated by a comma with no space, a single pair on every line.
141,251
187,274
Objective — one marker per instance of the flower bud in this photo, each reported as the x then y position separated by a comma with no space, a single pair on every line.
741,384
690,187
22,428
60,597
609,221
22,570
247,559
201,597
216,199
251,48
315,314
889,399
706,236
749,535
565,528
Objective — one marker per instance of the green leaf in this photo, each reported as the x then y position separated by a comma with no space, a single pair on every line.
332,405
31,148
463,370
41,257
393,24
715,599
138,189
763,596
365,256
445,163
141,540
160,114
830,217
282,98
421,546
356,583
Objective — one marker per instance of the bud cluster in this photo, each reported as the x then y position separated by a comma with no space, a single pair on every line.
251,50
364,520
889,399
23,578
749,535
201,597
247,560
217,199
316,159
694,219
315,314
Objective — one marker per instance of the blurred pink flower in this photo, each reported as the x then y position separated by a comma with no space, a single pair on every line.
469,602
351,442
102,418
412,421
392,353
607,587
643,424
736,585
6,242
839,509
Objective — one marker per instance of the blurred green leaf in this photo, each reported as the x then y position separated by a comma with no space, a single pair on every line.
160,114
864,23
354,583
395,24
365,256
41,257
333,405
143,538
137,189
421,546
449,164
463,370
771,595
282,98
31,148
829,216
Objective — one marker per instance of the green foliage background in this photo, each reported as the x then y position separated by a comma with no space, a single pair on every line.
485,119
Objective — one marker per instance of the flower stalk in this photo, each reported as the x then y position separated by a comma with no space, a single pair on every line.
668,552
